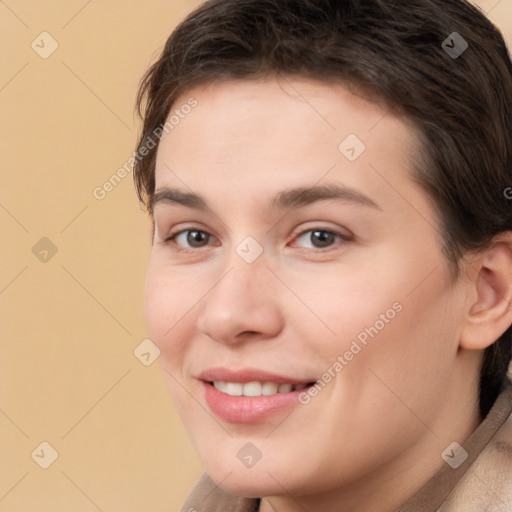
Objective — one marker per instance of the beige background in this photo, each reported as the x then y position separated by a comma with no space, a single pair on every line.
69,324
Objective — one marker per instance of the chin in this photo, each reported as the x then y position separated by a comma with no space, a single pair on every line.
248,483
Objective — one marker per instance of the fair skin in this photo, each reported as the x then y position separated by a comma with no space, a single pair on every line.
376,432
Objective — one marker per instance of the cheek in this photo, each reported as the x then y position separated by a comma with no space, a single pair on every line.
168,308
385,315
158,306
409,338
344,304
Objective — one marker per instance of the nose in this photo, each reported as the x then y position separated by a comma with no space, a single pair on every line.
242,305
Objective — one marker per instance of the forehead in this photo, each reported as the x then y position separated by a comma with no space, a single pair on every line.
271,133
246,106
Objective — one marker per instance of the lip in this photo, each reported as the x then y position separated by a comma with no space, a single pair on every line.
244,375
248,409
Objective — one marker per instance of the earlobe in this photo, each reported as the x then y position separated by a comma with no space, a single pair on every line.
490,314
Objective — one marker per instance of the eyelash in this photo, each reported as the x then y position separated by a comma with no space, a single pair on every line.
171,239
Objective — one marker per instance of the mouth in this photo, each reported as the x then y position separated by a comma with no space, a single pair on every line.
251,395
257,389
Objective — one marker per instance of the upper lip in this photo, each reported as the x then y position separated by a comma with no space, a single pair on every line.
244,375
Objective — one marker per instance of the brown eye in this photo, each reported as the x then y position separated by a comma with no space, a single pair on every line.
189,238
321,239
318,239
197,238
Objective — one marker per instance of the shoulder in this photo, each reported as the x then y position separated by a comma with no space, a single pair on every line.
488,483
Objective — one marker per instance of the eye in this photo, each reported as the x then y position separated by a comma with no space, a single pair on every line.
320,238
309,239
189,238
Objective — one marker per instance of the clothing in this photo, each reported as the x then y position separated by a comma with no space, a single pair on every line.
482,483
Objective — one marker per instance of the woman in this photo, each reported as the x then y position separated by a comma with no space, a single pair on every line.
330,281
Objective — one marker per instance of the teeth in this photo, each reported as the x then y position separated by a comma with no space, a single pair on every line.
221,386
255,388
269,388
234,389
251,389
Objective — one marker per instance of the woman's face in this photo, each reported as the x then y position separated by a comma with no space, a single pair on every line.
299,252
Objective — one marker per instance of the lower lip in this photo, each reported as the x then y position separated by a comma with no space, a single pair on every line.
248,409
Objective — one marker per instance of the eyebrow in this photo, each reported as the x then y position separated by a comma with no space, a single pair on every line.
289,198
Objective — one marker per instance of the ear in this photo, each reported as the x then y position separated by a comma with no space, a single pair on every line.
490,314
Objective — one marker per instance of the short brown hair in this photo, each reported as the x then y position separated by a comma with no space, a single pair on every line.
398,53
